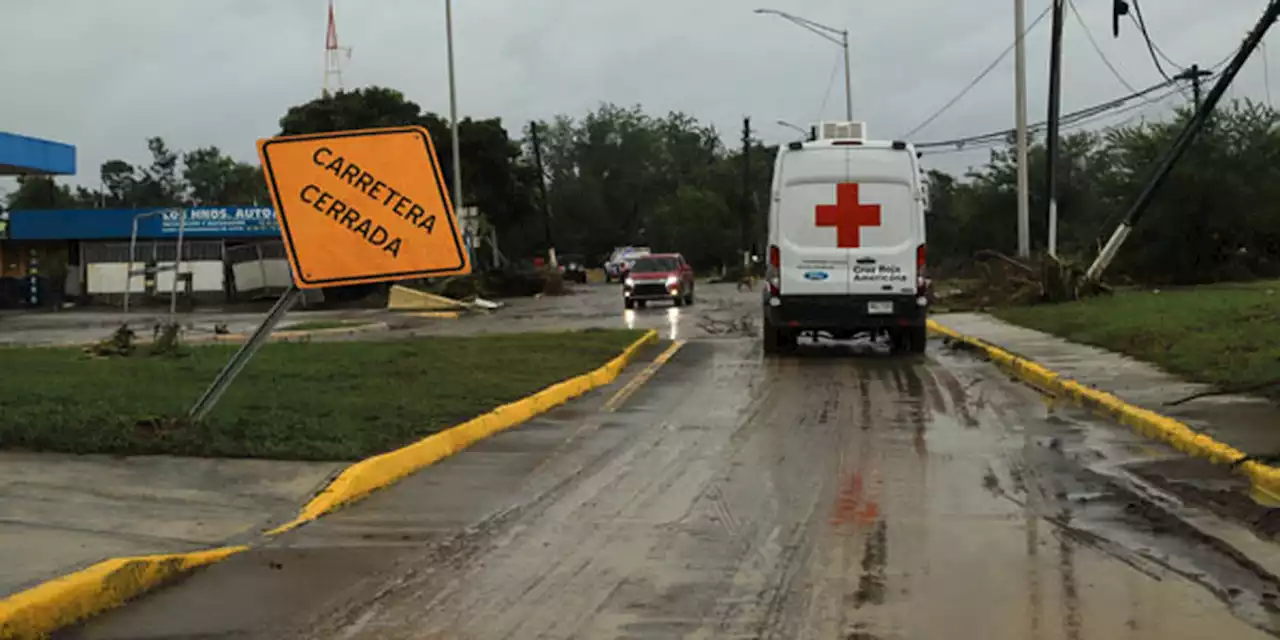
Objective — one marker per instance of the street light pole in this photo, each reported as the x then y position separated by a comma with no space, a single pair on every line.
784,123
453,109
848,82
831,34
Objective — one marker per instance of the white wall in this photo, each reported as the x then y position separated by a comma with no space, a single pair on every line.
109,277
253,275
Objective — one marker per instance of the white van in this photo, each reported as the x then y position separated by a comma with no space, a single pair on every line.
846,244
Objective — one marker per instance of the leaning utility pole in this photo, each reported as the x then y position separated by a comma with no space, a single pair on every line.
1184,140
746,192
542,189
1020,116
1051,135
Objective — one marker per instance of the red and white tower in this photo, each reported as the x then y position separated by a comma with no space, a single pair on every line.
333,56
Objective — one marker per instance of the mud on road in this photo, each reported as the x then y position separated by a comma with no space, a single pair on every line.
840,493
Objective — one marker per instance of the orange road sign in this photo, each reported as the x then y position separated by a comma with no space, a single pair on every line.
362,206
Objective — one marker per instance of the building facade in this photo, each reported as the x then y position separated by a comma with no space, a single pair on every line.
83,255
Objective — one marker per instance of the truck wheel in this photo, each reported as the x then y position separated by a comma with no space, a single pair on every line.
917,339
898,341
689,299
771,339
629,303
677,301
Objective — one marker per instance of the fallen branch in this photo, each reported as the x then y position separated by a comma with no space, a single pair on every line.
1229,391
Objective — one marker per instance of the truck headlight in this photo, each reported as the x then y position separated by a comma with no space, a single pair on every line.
672,281
629,282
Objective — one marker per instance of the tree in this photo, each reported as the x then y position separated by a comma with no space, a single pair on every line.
119,182
41,192
214,179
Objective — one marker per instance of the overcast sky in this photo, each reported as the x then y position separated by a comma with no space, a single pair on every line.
104,75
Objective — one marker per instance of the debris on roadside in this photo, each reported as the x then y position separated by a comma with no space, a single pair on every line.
121,342
1000,280
743,325
403,298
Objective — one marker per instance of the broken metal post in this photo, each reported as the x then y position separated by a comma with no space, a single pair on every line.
242,356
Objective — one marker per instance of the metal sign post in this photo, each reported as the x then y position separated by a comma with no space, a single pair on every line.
177,268
228,374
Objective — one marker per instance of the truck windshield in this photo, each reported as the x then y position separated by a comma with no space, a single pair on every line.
650,265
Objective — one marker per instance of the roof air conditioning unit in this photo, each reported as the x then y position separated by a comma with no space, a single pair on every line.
842,131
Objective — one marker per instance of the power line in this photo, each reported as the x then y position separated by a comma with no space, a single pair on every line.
831,82
1065,119
1154,50
1075,124
973,83
1098,49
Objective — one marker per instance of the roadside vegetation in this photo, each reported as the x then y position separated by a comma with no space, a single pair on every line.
306,401
1225,335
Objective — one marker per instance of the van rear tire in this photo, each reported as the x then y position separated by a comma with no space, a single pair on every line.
917,339
777,340
912,340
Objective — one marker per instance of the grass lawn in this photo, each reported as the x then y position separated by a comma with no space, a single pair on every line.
309,401
1222,334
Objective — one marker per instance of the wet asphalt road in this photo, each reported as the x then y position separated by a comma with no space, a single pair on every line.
837,494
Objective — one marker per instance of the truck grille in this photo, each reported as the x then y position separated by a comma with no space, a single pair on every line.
649,289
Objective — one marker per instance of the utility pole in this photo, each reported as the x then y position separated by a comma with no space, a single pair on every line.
1194,74
1051,139
1020,115
542,189
746,192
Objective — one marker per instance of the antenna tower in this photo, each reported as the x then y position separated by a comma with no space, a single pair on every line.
333,56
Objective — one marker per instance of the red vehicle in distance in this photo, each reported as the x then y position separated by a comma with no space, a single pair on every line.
658,276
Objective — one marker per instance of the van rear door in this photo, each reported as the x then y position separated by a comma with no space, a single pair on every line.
811,262
880,221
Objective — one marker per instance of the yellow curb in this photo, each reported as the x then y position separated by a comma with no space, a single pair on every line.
41,610
371,474
1265,480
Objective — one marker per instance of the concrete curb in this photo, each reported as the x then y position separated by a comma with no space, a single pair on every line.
1264,479
41,610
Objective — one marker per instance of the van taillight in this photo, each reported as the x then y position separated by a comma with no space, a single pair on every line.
774,275
922,280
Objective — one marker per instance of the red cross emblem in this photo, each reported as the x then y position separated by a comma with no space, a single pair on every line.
848,216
